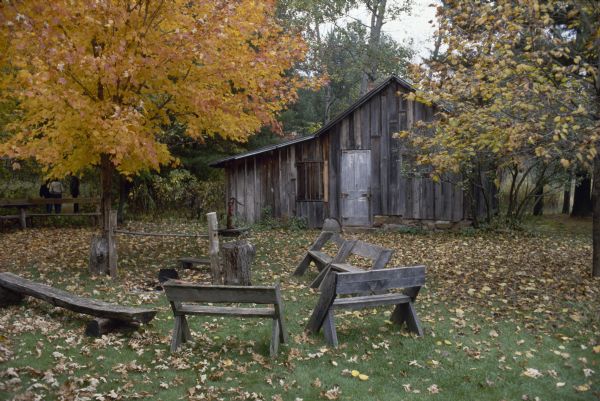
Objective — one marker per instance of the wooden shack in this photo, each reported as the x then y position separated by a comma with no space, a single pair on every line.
352,169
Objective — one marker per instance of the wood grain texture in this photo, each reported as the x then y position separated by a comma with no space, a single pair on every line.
275,181
237,260
73,302
188,298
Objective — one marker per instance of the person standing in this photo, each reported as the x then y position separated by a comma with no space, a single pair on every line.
74,189
56,190
45,193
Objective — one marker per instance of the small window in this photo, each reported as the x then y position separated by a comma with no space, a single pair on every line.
310,180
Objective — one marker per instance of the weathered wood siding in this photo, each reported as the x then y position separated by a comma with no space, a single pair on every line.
268,182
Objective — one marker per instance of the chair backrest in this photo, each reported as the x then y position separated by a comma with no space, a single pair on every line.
371,251
379,280
178,291
332,225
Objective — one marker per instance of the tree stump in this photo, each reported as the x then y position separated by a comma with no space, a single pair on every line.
103,251
237,260
98,264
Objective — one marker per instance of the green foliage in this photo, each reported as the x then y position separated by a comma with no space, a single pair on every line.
343,52
517,84
175,192
269,222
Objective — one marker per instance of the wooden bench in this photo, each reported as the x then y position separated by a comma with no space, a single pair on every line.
110,316
364,290
379,256
190,262
331,232
185,299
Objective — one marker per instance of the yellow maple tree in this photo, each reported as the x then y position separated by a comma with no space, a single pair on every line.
95,81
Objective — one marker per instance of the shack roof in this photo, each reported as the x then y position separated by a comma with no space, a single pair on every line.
363,99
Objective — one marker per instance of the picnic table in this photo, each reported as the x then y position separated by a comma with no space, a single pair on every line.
26,203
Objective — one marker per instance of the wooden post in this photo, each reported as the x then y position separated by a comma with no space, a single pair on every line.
213,251
23,218
237,261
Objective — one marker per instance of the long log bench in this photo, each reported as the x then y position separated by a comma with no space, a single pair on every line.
367,290
109,316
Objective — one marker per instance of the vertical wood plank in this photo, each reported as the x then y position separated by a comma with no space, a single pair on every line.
357,134
325,172
293,181
213,251
384,155
250,201
257,197
344,140
365,126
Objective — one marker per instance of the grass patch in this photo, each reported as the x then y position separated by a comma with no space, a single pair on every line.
500,323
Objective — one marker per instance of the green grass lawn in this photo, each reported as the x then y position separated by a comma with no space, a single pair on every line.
507,316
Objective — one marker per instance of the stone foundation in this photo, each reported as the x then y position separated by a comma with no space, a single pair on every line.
392,223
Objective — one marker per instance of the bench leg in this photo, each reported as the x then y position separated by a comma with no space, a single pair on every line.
274,338
23,218
329,329
406,313
8,297
317,281
179,332
185,330
302,266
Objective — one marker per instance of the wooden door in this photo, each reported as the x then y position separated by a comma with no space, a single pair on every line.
356,187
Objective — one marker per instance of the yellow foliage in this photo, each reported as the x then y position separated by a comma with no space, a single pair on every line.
101,78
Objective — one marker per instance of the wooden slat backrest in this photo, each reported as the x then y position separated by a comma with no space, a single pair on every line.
380,280
366,250
337,239
177,291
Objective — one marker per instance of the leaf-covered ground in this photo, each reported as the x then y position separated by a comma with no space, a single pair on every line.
507,316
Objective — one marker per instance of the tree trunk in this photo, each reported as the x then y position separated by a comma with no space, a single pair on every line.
566,207
596,220
538,206
582,202
369,75
596,201
124,188
470,200
103,250
237,261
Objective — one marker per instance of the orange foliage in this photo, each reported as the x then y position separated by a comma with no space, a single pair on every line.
101,78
